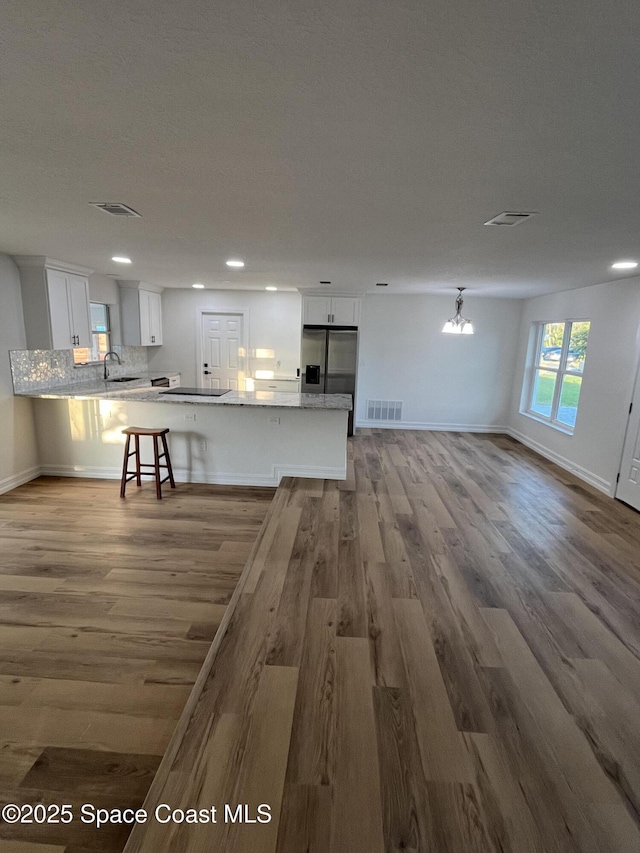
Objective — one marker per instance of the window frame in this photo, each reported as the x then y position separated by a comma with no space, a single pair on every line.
562,370
94,333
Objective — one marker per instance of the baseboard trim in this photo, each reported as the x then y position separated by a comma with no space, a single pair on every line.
589,477
217,479
421,425
20,479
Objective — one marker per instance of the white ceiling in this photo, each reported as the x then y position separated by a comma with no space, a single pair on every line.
354,140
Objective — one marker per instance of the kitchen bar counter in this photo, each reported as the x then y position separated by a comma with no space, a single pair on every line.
243,438
141,392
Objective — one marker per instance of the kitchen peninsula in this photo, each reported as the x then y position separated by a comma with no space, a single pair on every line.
243,438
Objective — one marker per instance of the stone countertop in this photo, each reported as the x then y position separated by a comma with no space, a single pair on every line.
139,391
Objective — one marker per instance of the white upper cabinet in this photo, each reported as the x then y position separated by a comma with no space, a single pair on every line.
330,311
55,301
141,315
345,311
68,310
316,310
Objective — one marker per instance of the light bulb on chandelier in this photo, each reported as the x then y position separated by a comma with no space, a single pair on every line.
457,325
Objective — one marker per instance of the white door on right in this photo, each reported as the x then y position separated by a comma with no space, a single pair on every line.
221,351
628,489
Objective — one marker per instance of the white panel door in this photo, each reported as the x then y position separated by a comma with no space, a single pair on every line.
221,346
628,489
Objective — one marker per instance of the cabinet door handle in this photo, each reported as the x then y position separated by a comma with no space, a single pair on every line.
328,318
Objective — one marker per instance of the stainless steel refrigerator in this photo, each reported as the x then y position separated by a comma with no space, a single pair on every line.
329,359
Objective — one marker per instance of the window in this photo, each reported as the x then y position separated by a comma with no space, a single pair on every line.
556,376
100,336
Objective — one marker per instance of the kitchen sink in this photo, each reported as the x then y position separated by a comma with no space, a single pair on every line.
124,379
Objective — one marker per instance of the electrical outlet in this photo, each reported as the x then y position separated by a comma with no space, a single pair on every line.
190,417
203,444
274,421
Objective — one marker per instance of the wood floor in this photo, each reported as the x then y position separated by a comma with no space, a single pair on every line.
107,611
439,654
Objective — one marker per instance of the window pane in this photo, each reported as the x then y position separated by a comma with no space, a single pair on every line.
551,345
100,345
81,355
99,317
543,388
578,345
569,396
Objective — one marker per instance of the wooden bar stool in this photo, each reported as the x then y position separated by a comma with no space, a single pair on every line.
138,473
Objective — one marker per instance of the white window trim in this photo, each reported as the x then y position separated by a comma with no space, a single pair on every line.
561,371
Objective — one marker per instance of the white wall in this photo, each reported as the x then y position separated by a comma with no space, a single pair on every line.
593,451
18,451
444,381
274,323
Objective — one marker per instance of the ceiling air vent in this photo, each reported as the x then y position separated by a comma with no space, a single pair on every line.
115,208
509,218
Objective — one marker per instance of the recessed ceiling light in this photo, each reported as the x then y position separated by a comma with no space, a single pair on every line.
232,263
121,260
198,286
271,288
624,265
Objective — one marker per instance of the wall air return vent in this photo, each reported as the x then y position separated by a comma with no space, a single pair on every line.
510,218
115,208
384,410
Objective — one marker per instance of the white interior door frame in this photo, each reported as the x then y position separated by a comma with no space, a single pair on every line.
634,398
243,356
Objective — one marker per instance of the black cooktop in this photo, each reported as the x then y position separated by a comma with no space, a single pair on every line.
201,392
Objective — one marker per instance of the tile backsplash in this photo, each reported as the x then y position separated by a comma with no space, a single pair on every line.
33,370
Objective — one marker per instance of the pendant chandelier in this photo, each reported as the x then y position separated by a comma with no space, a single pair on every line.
457,325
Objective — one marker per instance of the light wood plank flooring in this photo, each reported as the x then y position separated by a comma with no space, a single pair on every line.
107,611
440,654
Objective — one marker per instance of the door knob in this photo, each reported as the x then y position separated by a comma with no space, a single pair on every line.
207,372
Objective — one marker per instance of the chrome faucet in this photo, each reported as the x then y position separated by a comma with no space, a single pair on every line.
104,361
